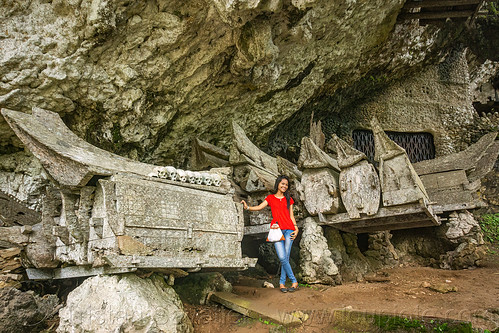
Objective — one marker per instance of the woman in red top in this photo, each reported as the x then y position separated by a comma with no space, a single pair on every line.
281,205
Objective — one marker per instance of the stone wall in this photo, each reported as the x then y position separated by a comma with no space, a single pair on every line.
437,100
22,176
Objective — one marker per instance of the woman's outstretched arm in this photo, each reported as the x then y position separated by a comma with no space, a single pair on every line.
255,208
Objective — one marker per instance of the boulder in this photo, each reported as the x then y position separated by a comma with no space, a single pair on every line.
25,311
267,257
462,224
467,254
316,263
195,288
124,303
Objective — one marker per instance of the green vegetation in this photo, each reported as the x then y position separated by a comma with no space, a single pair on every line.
400,324
273,327
490,227
306,285
493,7
389,323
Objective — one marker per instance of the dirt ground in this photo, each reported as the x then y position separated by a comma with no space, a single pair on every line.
475,298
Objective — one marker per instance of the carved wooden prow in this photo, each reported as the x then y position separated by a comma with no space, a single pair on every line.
254,170
244,151
400,183
204,156
316,134
69,160
312,157
359,182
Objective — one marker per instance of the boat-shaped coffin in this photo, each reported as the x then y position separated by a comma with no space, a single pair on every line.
319,188
359,183
400,184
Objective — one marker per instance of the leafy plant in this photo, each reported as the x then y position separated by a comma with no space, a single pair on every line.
307,286
490,227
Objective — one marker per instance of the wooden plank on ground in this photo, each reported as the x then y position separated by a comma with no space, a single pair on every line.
247,308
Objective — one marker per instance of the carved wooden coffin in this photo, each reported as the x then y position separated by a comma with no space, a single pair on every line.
133,222
142,223
452,181
319,189
358,181
400,184
111,215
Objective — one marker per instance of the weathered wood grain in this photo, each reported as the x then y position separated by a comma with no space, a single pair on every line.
360,189
400,183
359,183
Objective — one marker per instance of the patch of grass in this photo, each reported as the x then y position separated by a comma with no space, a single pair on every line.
389,323
490,227
306,285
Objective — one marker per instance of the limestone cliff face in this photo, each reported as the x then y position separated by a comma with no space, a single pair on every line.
142,78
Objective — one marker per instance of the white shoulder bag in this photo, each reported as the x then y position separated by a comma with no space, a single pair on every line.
275,235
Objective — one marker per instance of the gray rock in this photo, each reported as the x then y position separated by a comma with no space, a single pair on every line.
126,74
25,311
316,263
124,303
461,224
467,254
347,255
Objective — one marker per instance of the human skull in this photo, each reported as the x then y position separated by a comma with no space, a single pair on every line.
217,180
198,177
181,175
162,173
207,178
171,172
191,178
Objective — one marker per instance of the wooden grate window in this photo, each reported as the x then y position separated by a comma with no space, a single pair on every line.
419,146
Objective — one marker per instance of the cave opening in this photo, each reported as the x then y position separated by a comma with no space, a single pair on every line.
363,242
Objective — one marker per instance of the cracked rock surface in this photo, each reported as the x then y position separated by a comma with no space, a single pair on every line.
142,78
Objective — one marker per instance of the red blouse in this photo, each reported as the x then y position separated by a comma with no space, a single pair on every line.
280,212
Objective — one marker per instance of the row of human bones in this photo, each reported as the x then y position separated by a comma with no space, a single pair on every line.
193,177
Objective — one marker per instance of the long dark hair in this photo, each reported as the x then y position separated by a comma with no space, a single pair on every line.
286,194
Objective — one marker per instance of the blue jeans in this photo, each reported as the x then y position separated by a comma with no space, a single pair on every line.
283,249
